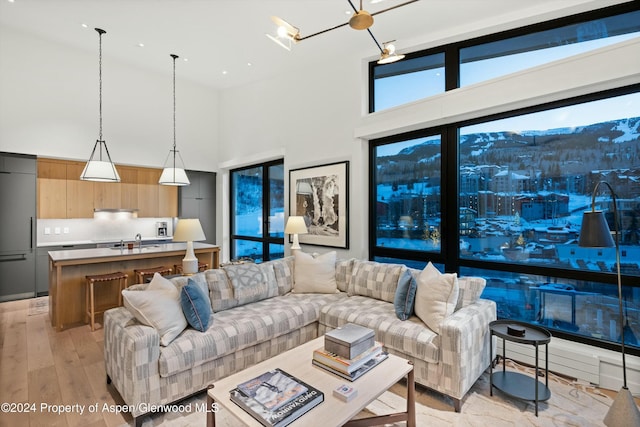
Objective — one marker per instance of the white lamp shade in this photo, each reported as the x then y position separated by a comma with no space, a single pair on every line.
296,225
174,176
99,170
188,230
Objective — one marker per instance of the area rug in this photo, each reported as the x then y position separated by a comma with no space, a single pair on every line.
571,404
38,306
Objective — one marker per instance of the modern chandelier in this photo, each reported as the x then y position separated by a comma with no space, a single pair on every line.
174,174
99,167
287,35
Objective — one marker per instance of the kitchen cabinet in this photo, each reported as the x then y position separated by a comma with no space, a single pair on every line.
52,189
80,194
198,200
148,191
17,226
61,193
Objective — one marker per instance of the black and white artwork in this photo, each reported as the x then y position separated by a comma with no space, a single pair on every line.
320,195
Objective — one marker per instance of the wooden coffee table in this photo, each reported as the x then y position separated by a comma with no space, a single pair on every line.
331,412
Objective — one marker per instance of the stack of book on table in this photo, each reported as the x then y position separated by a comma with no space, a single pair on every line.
276,398
349,352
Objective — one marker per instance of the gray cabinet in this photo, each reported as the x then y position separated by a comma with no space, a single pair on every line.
198,200
17,226
42,264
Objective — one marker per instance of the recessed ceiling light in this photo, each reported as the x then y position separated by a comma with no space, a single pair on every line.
225,72
84,25
140,44
249,64
185,59
11,1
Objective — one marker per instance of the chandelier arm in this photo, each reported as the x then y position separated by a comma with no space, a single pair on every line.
376,41
321,32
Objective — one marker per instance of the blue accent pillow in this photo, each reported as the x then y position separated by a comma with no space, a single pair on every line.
405,295
195,306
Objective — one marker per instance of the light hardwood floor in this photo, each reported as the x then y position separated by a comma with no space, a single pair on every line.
39,366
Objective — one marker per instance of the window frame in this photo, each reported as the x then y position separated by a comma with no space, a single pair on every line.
266,240
449,254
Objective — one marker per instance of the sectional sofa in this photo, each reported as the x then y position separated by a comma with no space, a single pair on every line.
260,310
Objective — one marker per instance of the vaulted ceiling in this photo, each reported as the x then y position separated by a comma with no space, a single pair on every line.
220,38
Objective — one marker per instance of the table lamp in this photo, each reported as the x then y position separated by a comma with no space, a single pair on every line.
595,233
295,225
189,230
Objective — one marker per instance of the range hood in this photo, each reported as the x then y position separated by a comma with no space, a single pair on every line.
107,213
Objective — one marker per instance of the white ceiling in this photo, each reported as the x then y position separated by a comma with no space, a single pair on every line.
220,37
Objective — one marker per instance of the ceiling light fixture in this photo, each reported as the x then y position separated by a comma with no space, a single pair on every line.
287,35
99,167
174,174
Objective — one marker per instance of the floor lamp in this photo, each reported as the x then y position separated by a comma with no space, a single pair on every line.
595,233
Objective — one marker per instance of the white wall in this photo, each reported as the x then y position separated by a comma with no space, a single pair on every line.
307,118
49,106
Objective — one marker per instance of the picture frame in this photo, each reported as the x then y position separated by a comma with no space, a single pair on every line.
320,194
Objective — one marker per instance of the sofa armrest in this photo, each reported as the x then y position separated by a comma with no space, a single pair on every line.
464,344
131,354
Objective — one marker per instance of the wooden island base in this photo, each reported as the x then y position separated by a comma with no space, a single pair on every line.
68,271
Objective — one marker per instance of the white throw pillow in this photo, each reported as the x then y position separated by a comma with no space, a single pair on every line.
314,274
436,296
158,306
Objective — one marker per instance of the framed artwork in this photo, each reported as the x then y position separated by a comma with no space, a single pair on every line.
320,194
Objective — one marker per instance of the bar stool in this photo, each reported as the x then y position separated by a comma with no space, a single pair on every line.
202,266
90,300
143,273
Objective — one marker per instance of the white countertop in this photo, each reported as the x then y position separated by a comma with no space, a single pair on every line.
78,254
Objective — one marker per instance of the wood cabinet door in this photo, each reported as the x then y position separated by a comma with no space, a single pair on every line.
79,193
167,201
148,192
51,189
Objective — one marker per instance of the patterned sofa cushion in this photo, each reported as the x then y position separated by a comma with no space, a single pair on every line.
344,269
283,269
242,327
471,288
375,279
409,337
251,282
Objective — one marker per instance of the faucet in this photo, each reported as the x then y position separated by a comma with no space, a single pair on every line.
139,240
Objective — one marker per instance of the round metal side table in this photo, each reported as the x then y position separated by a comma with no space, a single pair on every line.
515,384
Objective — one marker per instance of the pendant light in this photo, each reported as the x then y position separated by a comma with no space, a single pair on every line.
173,174
100,167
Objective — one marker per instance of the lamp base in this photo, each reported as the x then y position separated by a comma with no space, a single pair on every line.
623,411
295,246
189,262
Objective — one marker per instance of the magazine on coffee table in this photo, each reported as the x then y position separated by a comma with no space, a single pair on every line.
276,398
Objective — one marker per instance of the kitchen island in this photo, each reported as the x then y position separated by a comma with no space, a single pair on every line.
68,270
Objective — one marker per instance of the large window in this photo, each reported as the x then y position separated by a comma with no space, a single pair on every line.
510,207
408,193
257,212
427,73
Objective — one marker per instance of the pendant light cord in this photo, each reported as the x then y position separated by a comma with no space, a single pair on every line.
174,100
100,33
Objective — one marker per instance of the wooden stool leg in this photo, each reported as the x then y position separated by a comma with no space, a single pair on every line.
93,309
86,302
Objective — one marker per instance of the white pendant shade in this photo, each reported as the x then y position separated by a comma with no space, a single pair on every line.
173,176
98,170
